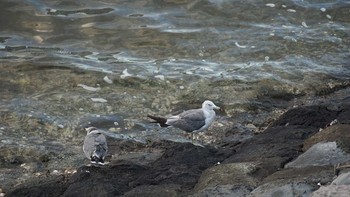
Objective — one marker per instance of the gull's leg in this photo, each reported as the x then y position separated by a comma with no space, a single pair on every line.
195,140
195,137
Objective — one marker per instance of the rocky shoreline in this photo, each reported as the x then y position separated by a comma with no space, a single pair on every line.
305,152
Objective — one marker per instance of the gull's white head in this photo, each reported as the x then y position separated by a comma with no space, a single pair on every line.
209,105
91,130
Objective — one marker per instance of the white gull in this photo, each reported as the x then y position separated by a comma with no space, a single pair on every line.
95,145
194,120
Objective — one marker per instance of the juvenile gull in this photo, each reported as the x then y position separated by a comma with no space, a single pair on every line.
194,120
95,145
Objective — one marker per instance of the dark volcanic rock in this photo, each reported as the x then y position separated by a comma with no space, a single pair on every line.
176,171
103,180
344,114
155,190
273,148
181,164
52,187
311,116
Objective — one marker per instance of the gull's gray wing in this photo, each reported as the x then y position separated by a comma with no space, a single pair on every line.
95,144
188,121
89,146
101,146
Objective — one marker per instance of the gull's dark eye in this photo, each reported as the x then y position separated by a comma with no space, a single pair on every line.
210,104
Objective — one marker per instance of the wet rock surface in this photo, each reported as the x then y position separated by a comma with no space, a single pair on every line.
294,156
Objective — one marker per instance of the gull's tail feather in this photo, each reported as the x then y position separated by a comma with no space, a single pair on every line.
96,159
160,120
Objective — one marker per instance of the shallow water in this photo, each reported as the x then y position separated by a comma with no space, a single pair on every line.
68,64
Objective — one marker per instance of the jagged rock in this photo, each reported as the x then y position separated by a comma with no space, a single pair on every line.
320,154
283,188
312,175
342,179
344,115
228,174
225,191
332,191
272,148
339,133
154,190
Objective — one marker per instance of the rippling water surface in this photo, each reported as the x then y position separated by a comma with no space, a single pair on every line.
68,64
244,40
155,54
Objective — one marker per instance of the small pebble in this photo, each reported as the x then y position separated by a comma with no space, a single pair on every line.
329,16
161,77
99,100
323,9
89,87
38,39
240,46
107,80
335,121
87,25
291,10
55,172
304,24
220,125
182,87
207,69
125,74
272,5
70,171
